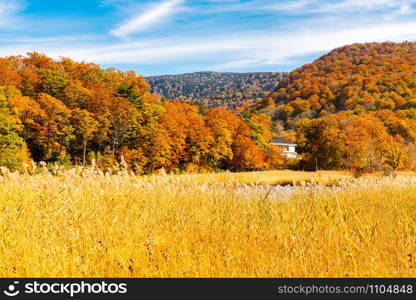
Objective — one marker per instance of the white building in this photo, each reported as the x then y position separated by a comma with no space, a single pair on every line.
288,148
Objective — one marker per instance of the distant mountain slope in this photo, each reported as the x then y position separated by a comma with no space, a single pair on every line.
354,108
215,89
358,77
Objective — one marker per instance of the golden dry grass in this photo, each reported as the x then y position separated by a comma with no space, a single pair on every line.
273,177
83,223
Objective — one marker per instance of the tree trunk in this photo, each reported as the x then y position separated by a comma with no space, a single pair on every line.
85,152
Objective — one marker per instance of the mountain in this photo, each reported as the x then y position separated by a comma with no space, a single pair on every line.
216,89
358,78
353,108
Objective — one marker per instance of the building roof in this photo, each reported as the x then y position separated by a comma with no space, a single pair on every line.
281,141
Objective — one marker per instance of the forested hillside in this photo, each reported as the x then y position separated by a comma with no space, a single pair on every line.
352,108
67,112
215,89
359,77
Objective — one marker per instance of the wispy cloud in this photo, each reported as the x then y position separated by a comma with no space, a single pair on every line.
9,11
302,7
312,7
228,35
241,51
289,48
142,21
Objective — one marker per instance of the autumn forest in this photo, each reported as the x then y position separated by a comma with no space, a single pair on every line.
75,113
354,108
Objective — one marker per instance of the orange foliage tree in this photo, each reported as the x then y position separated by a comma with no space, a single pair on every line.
67,111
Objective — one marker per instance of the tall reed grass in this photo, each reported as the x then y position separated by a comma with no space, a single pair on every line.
85,223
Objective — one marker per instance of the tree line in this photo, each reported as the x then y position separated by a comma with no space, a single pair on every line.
354,107
66,112
216,89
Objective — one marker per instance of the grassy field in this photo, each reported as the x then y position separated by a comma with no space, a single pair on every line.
83,223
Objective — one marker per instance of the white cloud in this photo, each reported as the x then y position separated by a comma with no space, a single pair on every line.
154,15
274,46
278,51
231,52
9,11
302,7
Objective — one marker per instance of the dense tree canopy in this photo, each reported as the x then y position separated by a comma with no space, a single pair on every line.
69,112
353,108
348,102
216,89
13,150
359,77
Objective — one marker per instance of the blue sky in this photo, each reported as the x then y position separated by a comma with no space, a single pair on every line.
177,36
